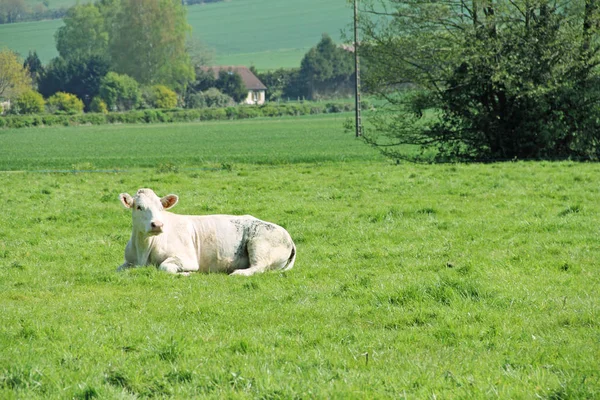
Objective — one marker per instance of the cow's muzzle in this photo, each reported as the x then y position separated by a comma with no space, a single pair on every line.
156,227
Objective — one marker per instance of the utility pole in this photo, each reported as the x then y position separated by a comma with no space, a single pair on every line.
356,73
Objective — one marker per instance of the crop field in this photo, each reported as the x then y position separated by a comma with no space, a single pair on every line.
412,281
268,34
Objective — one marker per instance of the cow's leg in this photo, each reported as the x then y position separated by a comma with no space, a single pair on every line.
174,265
249,271
267,251
125,265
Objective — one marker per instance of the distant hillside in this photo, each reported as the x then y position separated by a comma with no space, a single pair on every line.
265,33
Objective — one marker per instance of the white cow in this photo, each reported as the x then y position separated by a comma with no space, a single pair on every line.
240,245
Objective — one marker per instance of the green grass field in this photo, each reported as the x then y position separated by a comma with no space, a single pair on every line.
412,281
268,34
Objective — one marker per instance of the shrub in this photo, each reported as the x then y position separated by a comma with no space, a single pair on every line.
214,98
98,106
195,100
29,102
65,102
120,92
160,96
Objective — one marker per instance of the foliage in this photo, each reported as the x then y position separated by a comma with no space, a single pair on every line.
33,64
84,33
148,43
230,111
120,92
29,102
11,10
98,106
205,79
160,96
78,75
65,102
326,69
507,80
214,98
231,84
14,78
200,54
281,83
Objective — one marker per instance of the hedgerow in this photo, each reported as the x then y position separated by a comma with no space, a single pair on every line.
174,115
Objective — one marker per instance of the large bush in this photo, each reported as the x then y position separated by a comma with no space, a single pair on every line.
214,98
29,102
120,92
160,96
65,102
98,106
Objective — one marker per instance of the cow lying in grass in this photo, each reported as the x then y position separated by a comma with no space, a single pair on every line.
240,245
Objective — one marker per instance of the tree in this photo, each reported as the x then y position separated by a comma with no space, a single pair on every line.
80,76
503,79
34,66
148,42
231,84
120,92
14,78
282,83
325,68
84,32
12,10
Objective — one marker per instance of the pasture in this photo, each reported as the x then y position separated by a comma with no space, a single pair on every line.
412,281
268,34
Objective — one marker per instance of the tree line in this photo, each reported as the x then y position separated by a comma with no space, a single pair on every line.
12,11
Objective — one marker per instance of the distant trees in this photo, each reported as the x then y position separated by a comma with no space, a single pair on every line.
326,69
145,39
149,42
34,66
85,32
231,84
12,10
80,76
14,77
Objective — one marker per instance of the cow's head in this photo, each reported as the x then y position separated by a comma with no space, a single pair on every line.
147,210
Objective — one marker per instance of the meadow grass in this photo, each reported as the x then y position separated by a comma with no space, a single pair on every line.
268,34
414,281
258,141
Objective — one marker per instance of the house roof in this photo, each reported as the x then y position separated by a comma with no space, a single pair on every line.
250,80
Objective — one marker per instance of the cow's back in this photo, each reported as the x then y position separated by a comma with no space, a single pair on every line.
223,241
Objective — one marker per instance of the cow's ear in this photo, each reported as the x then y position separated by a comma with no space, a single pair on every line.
169,201
126,199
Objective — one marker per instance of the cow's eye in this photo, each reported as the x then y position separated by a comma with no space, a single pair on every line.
139,208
